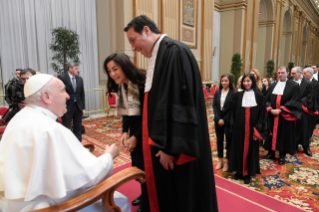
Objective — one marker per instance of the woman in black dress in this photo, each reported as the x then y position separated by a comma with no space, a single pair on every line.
221,106
128,81
247,123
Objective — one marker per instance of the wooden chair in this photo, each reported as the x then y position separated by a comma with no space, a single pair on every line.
104,190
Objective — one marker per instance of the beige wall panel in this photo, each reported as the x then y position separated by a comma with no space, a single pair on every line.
103,35
227,40
261,49
171,21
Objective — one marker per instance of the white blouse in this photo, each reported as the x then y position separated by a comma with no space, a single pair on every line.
223,98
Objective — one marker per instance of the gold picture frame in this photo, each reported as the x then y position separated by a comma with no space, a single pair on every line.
188,35
190,12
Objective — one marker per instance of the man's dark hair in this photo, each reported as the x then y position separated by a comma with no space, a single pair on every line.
139,22
27,70
315,65
18,69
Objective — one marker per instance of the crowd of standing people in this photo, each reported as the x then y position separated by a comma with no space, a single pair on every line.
278,114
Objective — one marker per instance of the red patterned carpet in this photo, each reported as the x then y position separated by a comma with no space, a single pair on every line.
296,183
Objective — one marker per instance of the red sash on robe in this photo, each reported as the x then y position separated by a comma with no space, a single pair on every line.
148,163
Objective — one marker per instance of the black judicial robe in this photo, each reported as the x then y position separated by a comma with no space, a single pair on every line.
307,106
282,127
315,119
177,125
244,122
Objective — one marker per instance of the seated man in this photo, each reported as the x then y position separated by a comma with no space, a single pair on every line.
41,162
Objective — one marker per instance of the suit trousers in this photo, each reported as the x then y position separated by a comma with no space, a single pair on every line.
75,114
220,132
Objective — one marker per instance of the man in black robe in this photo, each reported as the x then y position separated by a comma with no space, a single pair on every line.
307,105
312,111
176,147
283,107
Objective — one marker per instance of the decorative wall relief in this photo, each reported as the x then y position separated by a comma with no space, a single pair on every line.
189,19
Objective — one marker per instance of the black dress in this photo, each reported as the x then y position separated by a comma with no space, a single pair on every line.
244,122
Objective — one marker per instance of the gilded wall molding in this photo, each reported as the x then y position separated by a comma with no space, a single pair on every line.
231,6
267,23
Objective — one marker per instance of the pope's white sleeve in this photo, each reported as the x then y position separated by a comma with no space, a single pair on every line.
107,170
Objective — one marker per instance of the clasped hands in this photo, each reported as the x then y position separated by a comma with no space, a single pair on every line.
275,112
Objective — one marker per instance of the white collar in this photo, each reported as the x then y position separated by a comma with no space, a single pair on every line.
279,88
249,99
45,111
312,78
71,76
240,90
151,65
298,81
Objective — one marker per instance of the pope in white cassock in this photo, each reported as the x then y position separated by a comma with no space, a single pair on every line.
42,163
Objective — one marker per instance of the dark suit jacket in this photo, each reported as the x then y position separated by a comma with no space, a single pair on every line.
79,94
222,114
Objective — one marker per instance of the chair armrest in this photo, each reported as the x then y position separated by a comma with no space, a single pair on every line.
91,147
104,190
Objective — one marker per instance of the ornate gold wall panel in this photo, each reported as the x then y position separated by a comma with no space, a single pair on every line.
142,7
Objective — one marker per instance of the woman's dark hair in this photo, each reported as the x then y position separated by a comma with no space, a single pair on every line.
253,80
139,22
135,75
231,87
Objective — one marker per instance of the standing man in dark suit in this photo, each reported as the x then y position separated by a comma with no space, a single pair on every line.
75,105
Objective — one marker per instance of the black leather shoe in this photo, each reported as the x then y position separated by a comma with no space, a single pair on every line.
281,161
247,179
268,156
307,151
237,176
139,209
137,201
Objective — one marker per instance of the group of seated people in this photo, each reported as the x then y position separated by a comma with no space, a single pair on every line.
280,116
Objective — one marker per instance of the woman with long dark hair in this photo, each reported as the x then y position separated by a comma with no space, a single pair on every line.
128,81
261,87
221,106
247,123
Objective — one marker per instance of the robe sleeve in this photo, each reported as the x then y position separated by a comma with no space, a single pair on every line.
180,105
262,125
216,107
231,117
308,101
293,106
125,123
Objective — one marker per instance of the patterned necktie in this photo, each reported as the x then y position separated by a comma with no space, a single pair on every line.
74,84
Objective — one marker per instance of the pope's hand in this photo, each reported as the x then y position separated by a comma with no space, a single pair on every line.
112,150
166,160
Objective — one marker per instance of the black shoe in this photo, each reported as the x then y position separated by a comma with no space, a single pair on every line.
307,151
268,156
139,209
137,201
281,161
247,179
237,176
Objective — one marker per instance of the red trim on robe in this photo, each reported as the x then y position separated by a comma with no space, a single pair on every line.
268,109
304,108
148,163
290,116
181,159
246,142
275,129
257,134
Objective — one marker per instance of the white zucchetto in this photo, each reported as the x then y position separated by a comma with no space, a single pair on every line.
35,83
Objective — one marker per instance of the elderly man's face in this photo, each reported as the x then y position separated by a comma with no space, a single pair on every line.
59,97
307,75
24,77
295,75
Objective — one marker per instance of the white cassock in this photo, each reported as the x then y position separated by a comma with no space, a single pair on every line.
43,164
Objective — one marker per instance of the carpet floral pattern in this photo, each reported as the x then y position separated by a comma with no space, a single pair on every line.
296,182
